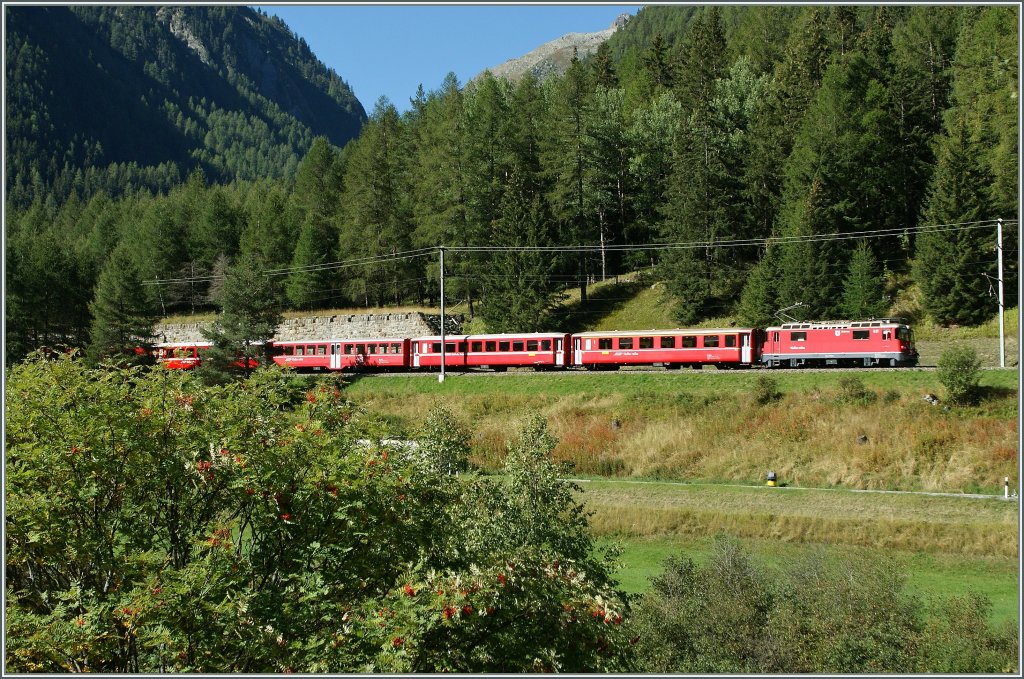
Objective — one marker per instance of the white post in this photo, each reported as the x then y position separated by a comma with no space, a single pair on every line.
999,250
1006,487
440,378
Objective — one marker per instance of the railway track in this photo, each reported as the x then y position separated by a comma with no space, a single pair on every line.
512,372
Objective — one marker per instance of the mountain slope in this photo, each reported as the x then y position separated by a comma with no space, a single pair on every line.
552,58
119,97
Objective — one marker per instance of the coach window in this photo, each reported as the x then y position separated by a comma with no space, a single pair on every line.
504,346
604,343
517,346
689,342
730,340
300,351
646,342
860,334
545,345
625,343
371,348
321,350
289,351
476,347
436,348
490,346
449,347
710,340
531,345
798,337
668,343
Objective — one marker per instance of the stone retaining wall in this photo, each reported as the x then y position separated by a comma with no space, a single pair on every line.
338,326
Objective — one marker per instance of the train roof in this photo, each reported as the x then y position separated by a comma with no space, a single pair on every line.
831,325
503,336
343,340
656,333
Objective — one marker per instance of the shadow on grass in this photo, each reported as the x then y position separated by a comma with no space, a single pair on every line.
601,302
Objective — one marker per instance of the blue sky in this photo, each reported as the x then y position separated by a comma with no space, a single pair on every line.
390,49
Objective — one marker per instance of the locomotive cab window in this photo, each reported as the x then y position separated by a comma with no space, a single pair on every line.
887,335
689,342
646,342
860,334
625,343
798,337
711,341
730,340
604,343
668,342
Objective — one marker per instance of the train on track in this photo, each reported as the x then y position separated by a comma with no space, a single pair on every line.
871,343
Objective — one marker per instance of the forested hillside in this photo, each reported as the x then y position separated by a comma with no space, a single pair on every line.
118,98
766,140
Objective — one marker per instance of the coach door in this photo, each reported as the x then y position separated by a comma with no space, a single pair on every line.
578,358
745,348
335,356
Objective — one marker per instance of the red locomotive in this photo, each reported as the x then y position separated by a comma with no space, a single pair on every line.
881,342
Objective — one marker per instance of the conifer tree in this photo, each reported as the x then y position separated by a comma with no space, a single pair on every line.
250,314
863,288
123,311
759,300
954,265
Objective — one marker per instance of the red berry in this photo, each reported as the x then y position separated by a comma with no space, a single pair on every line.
409,590
467,610
285,517
396,642
80,622
501,579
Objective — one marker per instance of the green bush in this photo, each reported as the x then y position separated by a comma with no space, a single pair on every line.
852,390
820,614
959,372
766,390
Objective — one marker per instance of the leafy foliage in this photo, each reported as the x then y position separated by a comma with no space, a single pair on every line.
959,373
155,524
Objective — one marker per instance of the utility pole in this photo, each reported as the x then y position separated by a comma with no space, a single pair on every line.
999,252
440,378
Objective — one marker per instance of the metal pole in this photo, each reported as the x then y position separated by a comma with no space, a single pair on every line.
440,378
999,250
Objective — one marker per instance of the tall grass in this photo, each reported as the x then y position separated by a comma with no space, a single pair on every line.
707,426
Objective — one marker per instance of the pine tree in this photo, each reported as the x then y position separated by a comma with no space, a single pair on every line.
863,288
123,311
250,314
759,300
309,285
954,267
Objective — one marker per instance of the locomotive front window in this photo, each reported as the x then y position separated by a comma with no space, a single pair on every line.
903,334
604,343
689,341
668,342
531,345
625,343
646,342
798,336
517,346
545,345
860,334
490,346
504,346
710,340
730,340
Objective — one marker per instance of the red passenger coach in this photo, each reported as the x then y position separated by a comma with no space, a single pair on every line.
498,352
880,342
180,355
728,348
343,354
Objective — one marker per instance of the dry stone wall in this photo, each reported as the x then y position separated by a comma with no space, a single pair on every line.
338,326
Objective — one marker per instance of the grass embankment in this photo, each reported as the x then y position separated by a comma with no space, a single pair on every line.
705,426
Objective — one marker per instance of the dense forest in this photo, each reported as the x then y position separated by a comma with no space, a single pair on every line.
120,98
756,147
